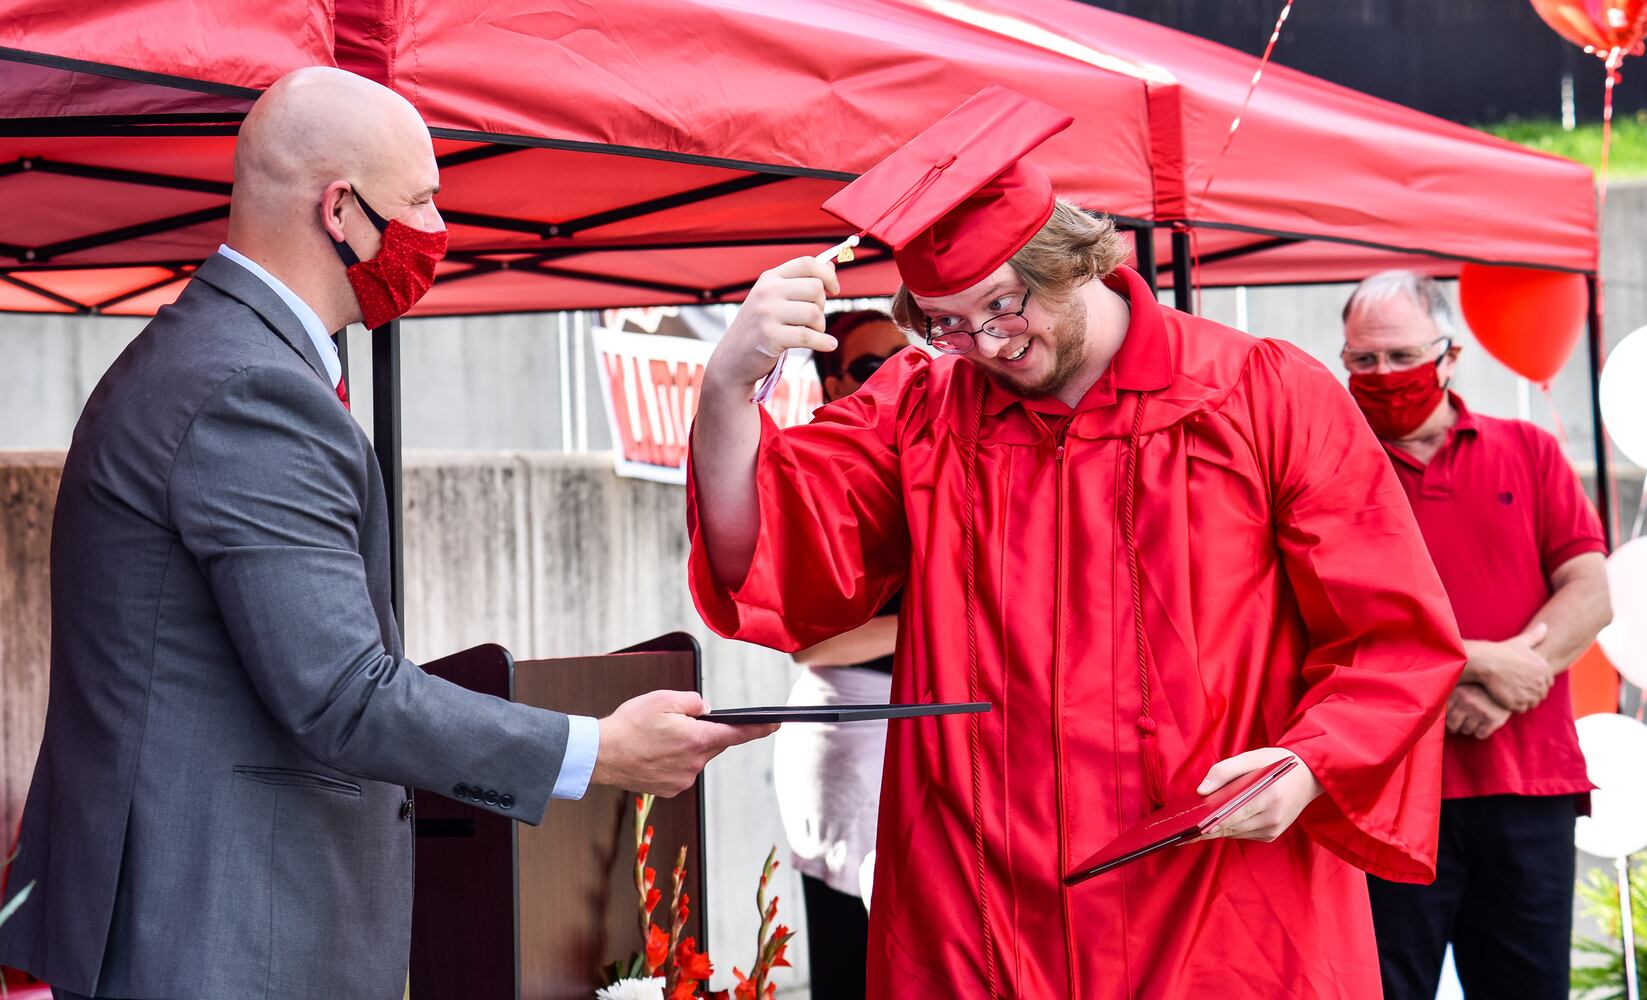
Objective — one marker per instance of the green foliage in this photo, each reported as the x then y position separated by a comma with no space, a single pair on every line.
1627,159
1602,977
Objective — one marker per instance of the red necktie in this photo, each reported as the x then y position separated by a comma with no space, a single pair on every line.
342,392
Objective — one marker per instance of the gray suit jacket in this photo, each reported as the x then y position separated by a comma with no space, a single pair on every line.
217,811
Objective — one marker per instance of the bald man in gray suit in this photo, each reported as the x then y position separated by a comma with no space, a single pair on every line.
220,807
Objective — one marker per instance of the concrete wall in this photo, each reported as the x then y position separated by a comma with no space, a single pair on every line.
28,491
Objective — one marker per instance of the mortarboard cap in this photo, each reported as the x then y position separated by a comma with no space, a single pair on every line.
958,200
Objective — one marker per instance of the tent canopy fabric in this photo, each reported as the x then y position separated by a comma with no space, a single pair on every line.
666,151
1354,173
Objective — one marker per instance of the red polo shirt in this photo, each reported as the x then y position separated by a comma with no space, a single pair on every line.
1501,509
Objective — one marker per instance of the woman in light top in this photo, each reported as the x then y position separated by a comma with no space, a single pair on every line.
828,776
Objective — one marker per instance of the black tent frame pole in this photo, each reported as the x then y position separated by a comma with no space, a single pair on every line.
1143,240
386,441
1183,295
1606,501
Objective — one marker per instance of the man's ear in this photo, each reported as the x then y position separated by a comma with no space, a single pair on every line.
331,209
1451,364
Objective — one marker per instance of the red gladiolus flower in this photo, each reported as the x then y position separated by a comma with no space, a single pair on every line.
657,947
745,990
693,964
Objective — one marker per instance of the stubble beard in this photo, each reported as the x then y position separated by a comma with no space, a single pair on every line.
1068,341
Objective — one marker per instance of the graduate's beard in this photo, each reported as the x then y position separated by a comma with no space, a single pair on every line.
1068,342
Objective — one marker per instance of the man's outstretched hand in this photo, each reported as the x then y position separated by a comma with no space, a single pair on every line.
654,743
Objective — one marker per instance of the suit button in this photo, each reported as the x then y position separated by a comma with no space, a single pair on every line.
475,793
491,797
406,809
460,791
506,801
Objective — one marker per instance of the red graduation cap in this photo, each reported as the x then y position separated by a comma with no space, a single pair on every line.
958,200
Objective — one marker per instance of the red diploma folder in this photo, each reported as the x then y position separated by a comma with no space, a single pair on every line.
1180,820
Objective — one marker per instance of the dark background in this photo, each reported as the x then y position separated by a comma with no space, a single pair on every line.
1473,61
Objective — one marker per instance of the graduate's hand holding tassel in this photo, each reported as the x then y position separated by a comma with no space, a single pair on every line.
1271,811
784,310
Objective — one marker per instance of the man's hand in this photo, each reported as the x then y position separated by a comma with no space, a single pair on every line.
784,309
1471,711
653,743
1513,671
1272,810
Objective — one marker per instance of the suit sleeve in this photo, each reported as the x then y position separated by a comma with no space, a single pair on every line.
267,494
834,542
1384,650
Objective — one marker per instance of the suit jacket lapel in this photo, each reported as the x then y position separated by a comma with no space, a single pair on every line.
238,283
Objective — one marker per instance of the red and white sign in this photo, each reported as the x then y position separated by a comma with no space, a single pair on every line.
650,385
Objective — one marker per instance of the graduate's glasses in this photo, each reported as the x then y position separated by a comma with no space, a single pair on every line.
1004,326
1400,358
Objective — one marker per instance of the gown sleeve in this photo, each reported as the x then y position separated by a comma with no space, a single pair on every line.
1384,650
834,542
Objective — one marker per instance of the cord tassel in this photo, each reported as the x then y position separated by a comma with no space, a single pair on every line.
1155,766
1149,747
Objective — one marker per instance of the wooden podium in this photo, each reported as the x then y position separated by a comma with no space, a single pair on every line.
507,911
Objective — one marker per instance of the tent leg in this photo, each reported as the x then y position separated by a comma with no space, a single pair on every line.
1606,502
386,440
1144,244
1183,294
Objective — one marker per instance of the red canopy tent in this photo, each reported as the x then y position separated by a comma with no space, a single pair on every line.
666,151
1321,183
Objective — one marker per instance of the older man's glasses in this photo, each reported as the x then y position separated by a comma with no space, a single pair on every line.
1399,358
1003,325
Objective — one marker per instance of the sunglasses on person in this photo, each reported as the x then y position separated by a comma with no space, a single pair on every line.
1004,326
864,365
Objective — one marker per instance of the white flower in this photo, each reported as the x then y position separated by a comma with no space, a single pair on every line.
632,989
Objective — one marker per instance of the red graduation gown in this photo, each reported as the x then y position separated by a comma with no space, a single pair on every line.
1286,599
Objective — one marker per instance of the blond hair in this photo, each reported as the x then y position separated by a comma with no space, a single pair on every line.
1072,249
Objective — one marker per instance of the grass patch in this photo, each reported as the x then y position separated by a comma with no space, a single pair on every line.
1629,154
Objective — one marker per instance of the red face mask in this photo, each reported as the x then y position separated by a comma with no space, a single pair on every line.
1397,403
390,284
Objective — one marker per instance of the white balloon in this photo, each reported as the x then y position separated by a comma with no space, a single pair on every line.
1625,640
1624,398
1615,749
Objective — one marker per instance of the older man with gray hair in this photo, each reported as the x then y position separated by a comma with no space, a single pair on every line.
1521,553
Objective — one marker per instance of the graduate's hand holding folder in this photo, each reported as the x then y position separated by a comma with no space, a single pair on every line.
1251,796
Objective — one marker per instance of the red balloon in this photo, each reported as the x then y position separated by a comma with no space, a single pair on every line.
1597,26
1526,317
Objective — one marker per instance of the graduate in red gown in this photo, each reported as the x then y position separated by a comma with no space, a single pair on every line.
1167,553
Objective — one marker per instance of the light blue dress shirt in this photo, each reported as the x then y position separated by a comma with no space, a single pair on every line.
583,733
311,322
